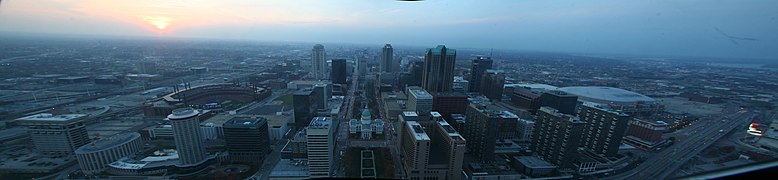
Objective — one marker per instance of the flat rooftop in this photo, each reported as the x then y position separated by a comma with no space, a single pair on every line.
450,130
603,108
545,87
107,143
508,115
393,95
418,131
275,121
410,114
290,168
564,116
51,117
533,162
420,93
267,110
606,94
241,122
320,122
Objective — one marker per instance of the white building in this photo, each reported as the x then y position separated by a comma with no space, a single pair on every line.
94,157
524,127
56,134
319,62
210,131
188,136
320,146
277,124
366,126
419,100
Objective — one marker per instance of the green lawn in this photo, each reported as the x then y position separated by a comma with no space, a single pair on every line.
384,167
286,99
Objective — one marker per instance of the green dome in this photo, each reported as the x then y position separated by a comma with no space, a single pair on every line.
366,114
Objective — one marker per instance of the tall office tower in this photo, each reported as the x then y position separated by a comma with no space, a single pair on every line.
419,100
431,151
556,136
387,59
415,147
319,61
188,136
479,65
370,85
482,128
362,66
447,103
320,138
304,107
415,70
438,74
604,129
323,91
350,68
492,84
247,139
339,71
56,134
449,149
560,100
400,124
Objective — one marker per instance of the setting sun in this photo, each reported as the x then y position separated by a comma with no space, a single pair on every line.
160,23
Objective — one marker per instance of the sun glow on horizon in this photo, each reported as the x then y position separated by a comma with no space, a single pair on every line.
161,23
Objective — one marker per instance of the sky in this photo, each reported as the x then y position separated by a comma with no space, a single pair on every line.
702,28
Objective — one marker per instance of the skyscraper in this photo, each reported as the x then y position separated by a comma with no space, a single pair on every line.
492,84
320,136
415,146
247,139
338,73
319,62
188,136
605,128
556,136
438,74
323,92
482,128
431,151
56,134
449,148
413,76
387,59
305,105
479,65
362,65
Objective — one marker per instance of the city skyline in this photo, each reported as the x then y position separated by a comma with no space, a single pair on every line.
691,28
391,89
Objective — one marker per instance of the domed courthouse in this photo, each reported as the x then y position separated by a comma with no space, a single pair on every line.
366,126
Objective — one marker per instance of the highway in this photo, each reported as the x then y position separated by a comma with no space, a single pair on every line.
703,134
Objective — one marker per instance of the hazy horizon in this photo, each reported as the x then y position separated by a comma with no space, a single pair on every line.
720,29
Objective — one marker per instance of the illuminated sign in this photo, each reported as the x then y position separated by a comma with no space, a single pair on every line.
756,129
